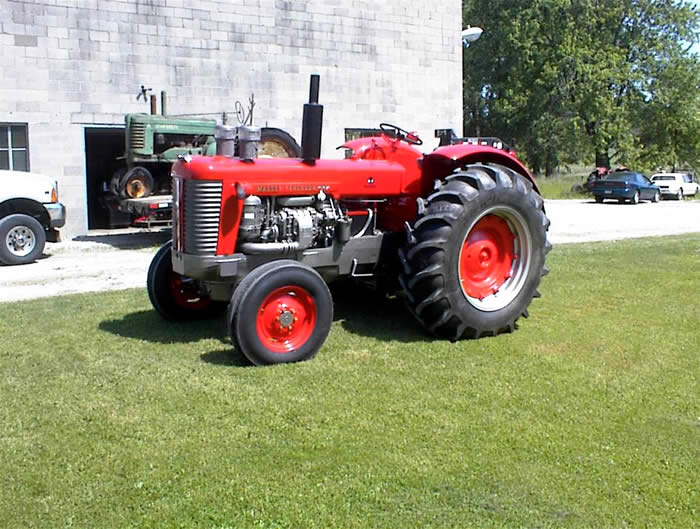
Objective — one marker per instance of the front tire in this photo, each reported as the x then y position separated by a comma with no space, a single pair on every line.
635,198
176,297
657,197
280,312
22,239
476,254
679,194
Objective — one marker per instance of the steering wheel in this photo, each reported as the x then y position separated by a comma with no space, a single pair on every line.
398,132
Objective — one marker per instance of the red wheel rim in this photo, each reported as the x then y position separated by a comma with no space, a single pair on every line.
286,319
487,256
185,295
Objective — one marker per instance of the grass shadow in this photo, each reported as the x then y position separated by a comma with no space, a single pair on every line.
229,358
359,310
147,325
366,312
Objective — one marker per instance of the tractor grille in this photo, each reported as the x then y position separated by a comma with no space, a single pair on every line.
200,207
137,135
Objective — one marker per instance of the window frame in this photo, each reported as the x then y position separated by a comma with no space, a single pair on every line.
6,130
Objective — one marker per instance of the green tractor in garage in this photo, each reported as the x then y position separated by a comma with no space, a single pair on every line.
140,187
154,142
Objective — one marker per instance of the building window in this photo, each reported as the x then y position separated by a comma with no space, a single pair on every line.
354,134
14,153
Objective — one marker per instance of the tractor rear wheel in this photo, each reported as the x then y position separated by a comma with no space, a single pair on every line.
476,253
280,312
137,182
276,143
176,297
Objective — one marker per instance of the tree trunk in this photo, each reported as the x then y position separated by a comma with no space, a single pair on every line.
602,159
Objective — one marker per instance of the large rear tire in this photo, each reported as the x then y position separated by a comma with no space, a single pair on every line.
176,297
276,143
476,254
280,312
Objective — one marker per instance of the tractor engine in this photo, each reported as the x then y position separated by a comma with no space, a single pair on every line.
274,224
294,223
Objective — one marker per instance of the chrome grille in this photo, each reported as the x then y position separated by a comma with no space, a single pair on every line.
137,135
200,209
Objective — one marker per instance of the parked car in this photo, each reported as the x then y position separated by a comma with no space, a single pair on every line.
675,185
625,185
30,215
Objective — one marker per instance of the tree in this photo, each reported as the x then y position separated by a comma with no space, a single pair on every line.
572,80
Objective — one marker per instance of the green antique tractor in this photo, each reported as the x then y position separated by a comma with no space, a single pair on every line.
153,143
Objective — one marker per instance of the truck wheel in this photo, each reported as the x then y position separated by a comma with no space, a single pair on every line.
22,239
137,182
280,312
276,143
176,297
476,254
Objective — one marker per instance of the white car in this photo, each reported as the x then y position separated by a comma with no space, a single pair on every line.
30,213
676,185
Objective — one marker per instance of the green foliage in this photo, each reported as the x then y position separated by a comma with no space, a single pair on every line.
604,79
586,416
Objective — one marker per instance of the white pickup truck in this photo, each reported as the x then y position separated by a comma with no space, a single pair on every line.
676,185
30,214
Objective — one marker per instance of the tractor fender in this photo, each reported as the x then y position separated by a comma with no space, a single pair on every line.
444,160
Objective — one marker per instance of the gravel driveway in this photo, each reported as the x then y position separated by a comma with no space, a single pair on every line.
120,259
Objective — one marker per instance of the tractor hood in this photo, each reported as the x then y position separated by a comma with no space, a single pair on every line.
293,177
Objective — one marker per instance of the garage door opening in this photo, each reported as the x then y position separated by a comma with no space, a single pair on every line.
103,147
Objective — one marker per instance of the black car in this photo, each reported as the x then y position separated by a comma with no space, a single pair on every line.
625,185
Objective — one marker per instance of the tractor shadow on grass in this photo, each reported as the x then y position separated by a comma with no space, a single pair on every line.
366,312
148,326
359,310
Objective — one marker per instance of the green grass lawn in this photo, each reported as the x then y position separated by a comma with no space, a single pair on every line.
588,416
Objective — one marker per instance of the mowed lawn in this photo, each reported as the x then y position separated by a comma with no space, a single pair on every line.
587,416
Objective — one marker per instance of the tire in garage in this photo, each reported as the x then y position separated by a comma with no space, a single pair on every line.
137,182
276,143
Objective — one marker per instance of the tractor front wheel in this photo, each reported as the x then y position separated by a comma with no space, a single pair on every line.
176,297
280,312
476,254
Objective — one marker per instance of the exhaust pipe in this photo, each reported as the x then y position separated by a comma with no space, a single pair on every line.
312,125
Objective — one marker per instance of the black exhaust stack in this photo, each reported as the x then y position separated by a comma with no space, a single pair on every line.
312,125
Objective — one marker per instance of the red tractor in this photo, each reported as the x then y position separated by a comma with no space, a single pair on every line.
461,231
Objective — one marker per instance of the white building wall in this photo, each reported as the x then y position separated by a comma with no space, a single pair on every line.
67,64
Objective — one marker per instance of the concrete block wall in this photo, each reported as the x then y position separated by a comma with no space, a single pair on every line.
68,64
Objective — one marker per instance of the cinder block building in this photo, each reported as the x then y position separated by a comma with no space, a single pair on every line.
71,69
